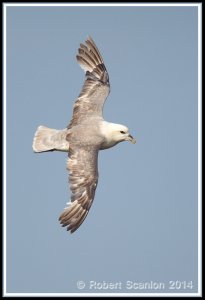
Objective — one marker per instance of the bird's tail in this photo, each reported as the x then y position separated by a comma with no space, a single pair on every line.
47,139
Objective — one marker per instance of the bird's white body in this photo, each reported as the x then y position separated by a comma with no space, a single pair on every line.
86,134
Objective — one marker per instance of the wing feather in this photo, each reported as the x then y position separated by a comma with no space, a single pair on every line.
96,86
83,179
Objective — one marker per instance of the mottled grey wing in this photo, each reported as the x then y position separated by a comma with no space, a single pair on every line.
96,86
83,180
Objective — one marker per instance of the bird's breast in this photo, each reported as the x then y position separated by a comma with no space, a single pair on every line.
107,144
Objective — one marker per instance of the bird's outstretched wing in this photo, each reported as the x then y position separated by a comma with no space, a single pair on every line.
96,86
83,180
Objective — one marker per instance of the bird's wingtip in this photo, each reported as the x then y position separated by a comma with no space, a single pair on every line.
89,38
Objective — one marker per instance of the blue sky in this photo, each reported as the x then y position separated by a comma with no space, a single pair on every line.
142,225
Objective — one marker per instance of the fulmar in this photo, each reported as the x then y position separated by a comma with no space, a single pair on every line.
85,135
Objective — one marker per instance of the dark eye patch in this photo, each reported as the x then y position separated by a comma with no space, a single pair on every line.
122,132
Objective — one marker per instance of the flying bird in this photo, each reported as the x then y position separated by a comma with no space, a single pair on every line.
85,135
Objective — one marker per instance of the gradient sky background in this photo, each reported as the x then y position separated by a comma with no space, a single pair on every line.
142,225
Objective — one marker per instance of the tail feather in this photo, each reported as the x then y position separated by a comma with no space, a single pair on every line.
47,139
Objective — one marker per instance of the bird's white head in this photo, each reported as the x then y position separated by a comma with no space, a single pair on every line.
116,133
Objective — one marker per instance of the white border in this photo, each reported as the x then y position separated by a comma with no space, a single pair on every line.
200,149
4,150
199,5
102,295
102,4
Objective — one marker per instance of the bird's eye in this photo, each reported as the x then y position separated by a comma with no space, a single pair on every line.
122,132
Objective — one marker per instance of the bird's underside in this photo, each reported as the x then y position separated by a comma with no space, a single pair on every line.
84,136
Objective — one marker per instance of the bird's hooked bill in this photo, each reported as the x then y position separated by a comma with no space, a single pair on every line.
131,139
